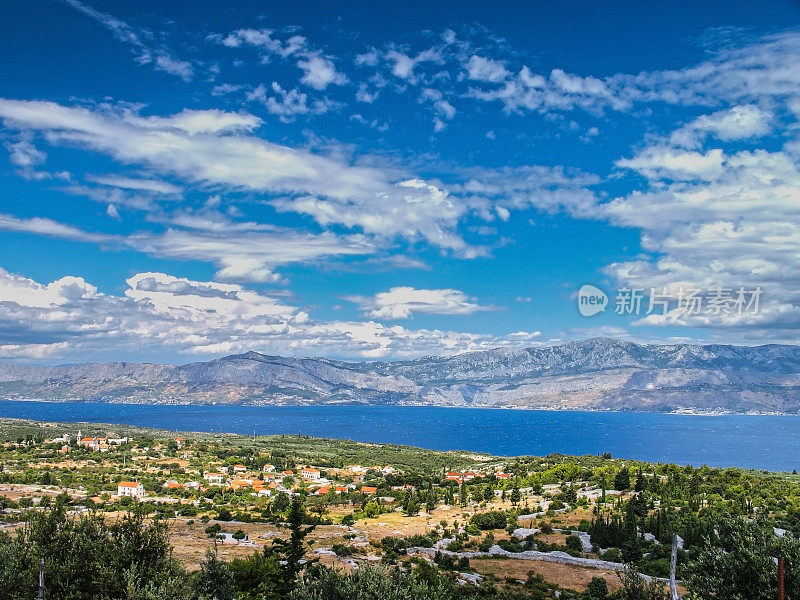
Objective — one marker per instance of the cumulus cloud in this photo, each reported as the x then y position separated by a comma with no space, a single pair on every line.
481,68
402,302
403,65
288,104
161,313
762,69
730,222
319,73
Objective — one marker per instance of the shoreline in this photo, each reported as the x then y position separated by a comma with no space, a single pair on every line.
689,412
480,456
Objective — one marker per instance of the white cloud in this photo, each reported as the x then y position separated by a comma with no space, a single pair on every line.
242,255
486,69
402,302
264,39
442,108
24,154
162,314
211,149
320,73
732,223
49,227
318,69
737,123
403,65
549,189
132,183
664,162
241,251
288,104
749,74
158,56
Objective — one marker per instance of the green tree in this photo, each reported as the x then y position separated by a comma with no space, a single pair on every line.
214,581
488,493
574,543
291,553
736,562
622,480
596,589
87,558
635,587
423,583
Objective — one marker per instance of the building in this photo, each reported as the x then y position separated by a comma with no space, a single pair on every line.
133,489
366,489
180,442
227,538
239,468
310,474
214,477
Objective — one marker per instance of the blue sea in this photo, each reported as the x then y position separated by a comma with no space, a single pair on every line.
760,442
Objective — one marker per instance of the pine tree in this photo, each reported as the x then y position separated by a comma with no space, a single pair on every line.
292,552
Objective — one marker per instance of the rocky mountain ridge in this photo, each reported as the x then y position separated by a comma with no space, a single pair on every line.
595,374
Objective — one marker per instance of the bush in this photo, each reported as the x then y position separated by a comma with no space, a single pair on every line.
87,558
490,520
574,543
596,589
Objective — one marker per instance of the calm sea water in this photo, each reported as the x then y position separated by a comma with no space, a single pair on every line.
761,442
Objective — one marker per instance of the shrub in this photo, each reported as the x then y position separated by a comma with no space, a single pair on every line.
489,520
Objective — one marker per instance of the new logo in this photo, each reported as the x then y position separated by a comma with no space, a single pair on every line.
591,300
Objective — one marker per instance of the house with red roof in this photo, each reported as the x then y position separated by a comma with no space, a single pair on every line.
133,489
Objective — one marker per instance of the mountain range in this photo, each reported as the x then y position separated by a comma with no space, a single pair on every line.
595,374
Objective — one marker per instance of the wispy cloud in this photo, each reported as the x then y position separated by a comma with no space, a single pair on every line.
146,53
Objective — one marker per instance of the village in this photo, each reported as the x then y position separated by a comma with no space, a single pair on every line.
568,520
264,481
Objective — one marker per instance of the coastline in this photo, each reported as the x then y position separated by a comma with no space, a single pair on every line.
688,411
726,440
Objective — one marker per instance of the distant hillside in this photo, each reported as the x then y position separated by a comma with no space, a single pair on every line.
596,374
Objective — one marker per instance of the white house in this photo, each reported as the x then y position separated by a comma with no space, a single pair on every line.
310,474
130,488
214,477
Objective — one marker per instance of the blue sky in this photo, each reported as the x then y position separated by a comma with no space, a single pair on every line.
180,181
